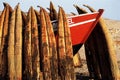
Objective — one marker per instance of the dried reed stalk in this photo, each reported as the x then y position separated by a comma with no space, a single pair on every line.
39,33
61,46
53,12
4,43
2,16
52,47
18,43
80,10
11,64
27,49
70,75
38,18
45,52
35,46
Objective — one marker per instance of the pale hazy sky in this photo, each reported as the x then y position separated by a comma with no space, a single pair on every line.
111,7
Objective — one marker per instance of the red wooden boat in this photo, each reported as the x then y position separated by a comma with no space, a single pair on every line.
81,26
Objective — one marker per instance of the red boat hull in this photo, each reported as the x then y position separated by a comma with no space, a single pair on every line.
81,26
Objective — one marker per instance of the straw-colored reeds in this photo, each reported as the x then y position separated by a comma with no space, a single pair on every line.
52,47
30,49
61,46
64,48
4,40
27,74
11,64
18,43
34,46
68,49
53,12
45,52
1,23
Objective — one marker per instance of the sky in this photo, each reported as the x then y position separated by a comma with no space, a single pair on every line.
111,7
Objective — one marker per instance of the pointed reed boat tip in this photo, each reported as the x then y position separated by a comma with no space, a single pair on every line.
39,7
73,13
18,3
85,5
5,4
90,8
74,5
31,7
48,9
59,6
51,2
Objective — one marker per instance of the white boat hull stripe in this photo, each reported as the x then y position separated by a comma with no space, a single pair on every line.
80,23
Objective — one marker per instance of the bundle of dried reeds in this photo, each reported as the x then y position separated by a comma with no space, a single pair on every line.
64,48
4,27
45,52
31,50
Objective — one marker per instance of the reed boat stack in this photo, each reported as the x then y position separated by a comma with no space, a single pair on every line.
44,45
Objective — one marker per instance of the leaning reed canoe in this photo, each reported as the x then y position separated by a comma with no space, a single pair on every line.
105,50
4,43
45,52
27,73
18,43
52,47
11,40
70,75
